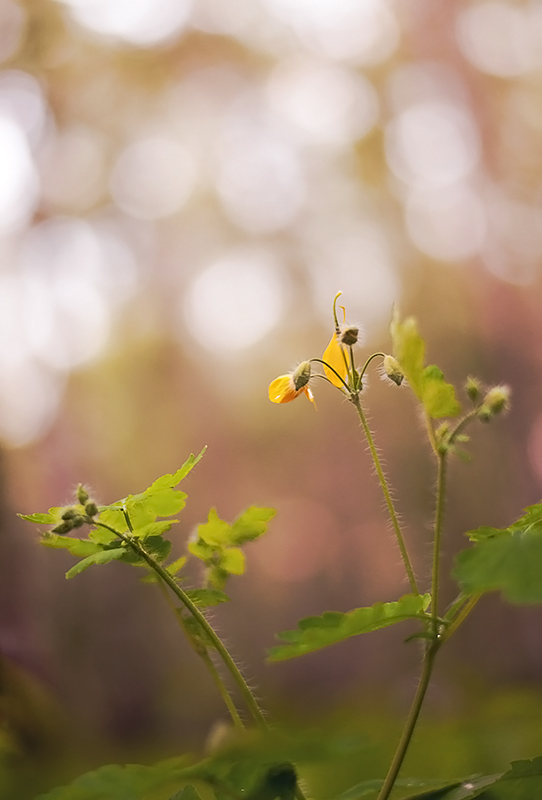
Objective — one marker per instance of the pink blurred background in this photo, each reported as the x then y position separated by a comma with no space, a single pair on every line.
184,186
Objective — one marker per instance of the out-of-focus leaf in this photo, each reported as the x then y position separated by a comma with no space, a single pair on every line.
102,557
233,561
510,562
523,781
186,793
427,383
373,786
39,519
215,532
77,547
130,782
176,565
251,524
204,598
314,633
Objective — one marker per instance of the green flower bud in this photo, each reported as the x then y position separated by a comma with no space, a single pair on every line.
78,522
91,509
68,514
302,375
473,388
82,495
63,527
393,370
496,401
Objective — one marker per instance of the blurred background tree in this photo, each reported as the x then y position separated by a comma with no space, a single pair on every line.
184,186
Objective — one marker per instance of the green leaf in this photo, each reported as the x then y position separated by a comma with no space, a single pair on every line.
314,633
186,793
251,524
507,559
215,532
204,598
102,557
102,535
176,566
427,383
523,781
373,786
113,516
233,561
156,546
438,396
77,547
201,551
170,480
115,782
154,528
39,519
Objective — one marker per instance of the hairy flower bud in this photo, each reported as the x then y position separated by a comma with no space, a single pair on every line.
302,375
473,388
393,370
82,495
348,335
91,509
495,402
63,527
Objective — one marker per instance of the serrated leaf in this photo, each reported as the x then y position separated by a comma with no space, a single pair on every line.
233,561
314,633
102,557
510,562
204,598
102,535
39,519
251,524
485,532
427,383
77,547
170,480
201,551
215,532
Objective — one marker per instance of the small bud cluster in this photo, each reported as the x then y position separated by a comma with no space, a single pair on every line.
73,517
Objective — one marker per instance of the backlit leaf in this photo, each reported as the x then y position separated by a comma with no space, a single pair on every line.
154,528
102,557
215,532
77,547
251,524
204,598
39,519
314,633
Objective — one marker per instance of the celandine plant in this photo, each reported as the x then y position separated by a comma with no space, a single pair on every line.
258,763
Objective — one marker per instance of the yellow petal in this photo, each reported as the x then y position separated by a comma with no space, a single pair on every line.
282,390
335,357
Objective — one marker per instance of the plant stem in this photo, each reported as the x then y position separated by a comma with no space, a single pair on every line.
439,516
387,496
203,652
412,719
209,631
461,617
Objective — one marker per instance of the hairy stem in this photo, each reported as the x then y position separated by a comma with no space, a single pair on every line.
439,516
412,719
387,496
462,616
203,652
207,629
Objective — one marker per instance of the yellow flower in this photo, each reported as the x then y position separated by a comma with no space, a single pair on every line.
286,388
334,355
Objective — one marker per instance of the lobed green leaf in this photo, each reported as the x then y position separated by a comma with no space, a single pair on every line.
427,383
154,528
204,598
507,560
251,524
101,557
314,633
77,547
215,532
39,519
523,781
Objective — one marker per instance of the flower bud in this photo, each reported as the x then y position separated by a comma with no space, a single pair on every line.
496,401
91,509
63,527
302,375
473,388
82,495
393,370
348,335
78,522
68,514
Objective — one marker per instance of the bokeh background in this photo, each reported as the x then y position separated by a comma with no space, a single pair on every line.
184,186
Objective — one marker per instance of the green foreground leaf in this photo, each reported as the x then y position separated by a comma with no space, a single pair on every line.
314,633
507,559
